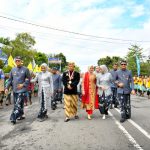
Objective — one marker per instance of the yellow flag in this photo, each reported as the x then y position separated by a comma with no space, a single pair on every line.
36,69
11,62
30,66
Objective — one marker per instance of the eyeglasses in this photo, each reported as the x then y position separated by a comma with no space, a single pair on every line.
17,60
123,64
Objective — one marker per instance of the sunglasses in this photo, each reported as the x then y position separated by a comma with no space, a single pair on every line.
17,60
123,64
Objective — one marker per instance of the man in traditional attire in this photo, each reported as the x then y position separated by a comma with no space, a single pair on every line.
70,81
125,83
57,84
19,79
114,86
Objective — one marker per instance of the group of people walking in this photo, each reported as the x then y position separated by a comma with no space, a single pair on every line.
99,89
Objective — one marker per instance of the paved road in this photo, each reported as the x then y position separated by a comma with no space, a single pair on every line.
82,134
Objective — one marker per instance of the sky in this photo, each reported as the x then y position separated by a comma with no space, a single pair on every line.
114,26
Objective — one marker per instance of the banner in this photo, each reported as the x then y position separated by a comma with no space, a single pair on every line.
138,65
54,61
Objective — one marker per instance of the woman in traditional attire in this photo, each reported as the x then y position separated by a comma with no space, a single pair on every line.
45,91
70,81
104,81
89,96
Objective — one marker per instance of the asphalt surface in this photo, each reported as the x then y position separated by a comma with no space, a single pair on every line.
82,134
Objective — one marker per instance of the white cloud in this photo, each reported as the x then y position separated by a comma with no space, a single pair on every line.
138,11
58,14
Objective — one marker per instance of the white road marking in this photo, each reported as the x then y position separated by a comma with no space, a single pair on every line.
130,138
137,126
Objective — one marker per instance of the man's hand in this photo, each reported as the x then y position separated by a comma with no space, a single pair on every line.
120,85
6,91
133,92
20,86
69,87
104,88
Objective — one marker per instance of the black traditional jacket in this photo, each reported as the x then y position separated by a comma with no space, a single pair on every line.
73,82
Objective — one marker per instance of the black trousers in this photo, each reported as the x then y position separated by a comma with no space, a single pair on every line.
124,100
18,110
43,109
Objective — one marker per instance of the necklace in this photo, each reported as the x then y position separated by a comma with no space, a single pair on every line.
70,77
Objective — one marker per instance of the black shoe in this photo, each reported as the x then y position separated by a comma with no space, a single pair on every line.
66,120
106,112
116,106
21,118
122,120
13,122
76,117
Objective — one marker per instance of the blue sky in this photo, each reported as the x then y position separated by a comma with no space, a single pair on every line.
124,19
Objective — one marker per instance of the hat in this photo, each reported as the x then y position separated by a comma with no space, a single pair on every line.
18,58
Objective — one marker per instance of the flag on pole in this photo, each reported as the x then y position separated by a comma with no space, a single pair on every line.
138,65
37,69
33,63
11,62
30,66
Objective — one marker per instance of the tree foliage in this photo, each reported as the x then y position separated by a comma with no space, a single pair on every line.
1,64
40,58
4,41
22,45
109,61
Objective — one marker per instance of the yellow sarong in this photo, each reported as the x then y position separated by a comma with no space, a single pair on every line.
70,105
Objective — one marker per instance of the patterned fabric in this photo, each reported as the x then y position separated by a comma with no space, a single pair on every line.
18,106
70,105
90,99
43,105
104,102
123,99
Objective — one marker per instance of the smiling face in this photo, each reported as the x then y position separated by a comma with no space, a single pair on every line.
123,65
91,69
43,68
97,69
115,66
71,66
18,62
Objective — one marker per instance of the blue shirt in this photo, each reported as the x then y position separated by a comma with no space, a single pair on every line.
19,75
125,77
114,75
1,73
56,81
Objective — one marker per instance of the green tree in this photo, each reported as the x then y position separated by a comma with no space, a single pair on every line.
109,61
40,58
5,41
1,64
22,45
131,58
7,69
